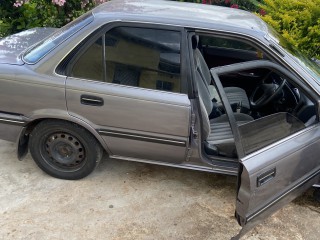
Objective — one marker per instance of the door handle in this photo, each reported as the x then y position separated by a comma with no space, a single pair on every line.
91,100
266,177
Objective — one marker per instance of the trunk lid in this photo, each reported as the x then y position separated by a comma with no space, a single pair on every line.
12,46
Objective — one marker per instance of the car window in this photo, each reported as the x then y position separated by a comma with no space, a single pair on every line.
220,51
225,43
90,63
139,57
267,130
289,112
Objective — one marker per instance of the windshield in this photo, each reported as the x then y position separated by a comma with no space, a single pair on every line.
308,65
38,51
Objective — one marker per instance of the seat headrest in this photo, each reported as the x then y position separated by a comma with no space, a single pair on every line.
195,41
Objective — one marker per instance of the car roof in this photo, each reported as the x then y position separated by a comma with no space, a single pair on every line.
181,13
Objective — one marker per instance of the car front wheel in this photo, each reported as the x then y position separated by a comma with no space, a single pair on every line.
64,150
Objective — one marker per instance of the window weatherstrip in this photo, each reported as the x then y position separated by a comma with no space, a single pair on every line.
104,58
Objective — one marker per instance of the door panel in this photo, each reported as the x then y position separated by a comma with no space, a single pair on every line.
145,149
276,175
134,122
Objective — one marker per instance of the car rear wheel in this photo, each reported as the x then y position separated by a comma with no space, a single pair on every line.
64,150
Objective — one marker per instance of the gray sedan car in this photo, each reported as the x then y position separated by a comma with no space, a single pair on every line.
177,84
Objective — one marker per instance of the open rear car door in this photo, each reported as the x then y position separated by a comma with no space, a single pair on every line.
278,154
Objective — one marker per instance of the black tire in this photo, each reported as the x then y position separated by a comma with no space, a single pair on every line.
316,194
64,150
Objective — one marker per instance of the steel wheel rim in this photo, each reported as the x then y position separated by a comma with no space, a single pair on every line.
64,152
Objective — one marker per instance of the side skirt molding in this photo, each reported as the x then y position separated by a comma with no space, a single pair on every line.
12,119
140,137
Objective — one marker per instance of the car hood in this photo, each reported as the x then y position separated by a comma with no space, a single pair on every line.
12,46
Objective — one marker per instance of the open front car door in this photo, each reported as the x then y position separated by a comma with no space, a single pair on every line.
275,175
278,153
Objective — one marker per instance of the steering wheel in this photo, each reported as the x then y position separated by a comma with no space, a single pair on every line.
269,92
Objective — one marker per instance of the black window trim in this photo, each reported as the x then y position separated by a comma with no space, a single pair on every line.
66,65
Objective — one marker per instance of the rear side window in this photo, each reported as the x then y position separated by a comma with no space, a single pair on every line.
139,57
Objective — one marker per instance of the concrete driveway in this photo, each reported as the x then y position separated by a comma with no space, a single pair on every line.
126,200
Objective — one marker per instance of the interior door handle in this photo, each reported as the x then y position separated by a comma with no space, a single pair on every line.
91,100
266,177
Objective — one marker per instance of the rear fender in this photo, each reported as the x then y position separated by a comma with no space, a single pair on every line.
22,144
23,139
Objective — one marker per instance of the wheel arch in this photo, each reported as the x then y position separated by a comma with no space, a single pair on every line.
23,138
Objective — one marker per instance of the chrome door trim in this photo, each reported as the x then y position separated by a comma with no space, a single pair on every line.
140,137
12,119
12,122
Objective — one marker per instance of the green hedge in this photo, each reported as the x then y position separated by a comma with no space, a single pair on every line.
298,21
18,15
